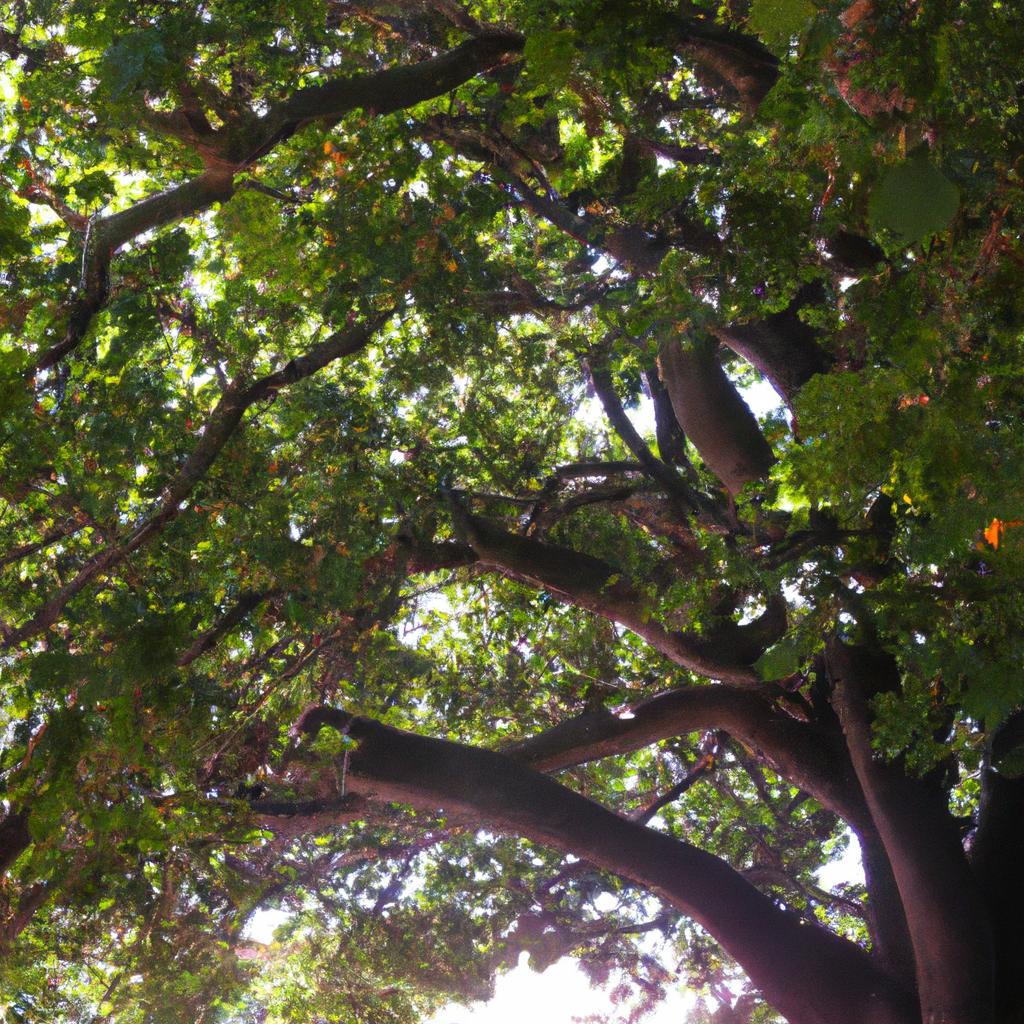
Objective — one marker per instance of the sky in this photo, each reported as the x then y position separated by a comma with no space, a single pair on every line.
558,996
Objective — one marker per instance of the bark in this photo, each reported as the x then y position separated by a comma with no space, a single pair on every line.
601,381
670,436
391,90
713,415
781,347
104,236
726,58
945,911
886,918
33,899
590,583
995,860
808,974
796,750
14,838
811,755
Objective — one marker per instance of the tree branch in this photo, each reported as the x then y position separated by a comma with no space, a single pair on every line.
219,428
780,346
601,382
590,583
807,973
713,415
237,146
227,622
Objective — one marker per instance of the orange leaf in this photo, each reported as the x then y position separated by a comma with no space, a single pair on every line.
993,532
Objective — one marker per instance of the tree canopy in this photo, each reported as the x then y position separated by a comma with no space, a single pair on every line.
394,529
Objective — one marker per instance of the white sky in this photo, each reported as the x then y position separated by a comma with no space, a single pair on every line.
560,995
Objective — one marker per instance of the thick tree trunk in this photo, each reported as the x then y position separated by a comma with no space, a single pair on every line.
995,859
946,915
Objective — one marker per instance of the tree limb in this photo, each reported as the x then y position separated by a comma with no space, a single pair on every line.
590,583
809,974
945,913
219,428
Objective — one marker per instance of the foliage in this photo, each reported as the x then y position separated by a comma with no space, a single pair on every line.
331,380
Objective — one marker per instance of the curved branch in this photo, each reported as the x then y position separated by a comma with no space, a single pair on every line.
781,346
590,583
796,750
390,90
809,974
601,381
726,57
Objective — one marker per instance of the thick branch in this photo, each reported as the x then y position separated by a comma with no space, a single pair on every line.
808,974
590,583
236,146
670,436
227,622
796,750
104,236
387,91
713,415
725,57
14,838
945,912
995,860
806,754
781,346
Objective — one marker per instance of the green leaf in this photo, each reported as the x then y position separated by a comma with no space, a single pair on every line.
14,220
549,56
914,200
777,22
780,660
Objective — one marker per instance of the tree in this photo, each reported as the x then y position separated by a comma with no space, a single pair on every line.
390,535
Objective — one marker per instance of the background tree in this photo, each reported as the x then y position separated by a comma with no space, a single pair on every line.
387,536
